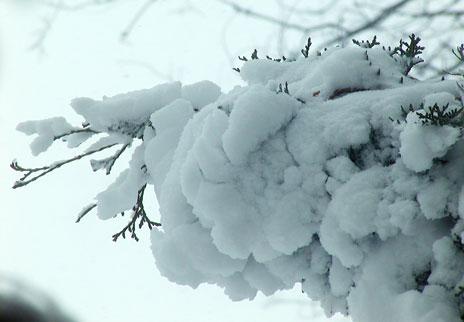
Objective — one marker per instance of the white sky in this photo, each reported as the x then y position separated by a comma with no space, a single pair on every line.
93,278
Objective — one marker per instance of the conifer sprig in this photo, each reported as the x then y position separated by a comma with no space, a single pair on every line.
442,115
305,50
410,52
459,52
366,43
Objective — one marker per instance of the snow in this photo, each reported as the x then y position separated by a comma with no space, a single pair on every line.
403,214
168,123
46,131
112,113
291,228
272,109
449,263
340,278
76,139
327,184
121,195
433,198
108,140
420,145
201,93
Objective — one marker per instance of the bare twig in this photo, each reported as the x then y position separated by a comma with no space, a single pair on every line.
147,66
441,13
307,11
43,33
84,130
115,157
40,172
135,19
137,214
60,6
377,20
65,6
85,211
108,163
285,24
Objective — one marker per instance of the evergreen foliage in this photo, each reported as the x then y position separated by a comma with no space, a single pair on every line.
442,115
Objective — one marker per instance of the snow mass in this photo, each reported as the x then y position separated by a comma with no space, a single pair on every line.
327,184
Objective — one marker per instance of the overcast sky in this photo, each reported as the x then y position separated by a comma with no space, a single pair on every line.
78,264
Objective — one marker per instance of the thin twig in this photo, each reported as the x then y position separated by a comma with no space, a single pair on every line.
115,157
62,5
47,169
85,211
138,213
135,19
43,33
441,13
85,130
147,66
285,24
307,11
108,163
377,20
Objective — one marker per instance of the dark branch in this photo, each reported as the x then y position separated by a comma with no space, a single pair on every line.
43,33
284,24
137,214
108,163
438,13
84,130
85,211
377,20
40,172
305,50
135,19
61,5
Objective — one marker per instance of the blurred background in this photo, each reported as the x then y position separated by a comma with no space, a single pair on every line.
52,51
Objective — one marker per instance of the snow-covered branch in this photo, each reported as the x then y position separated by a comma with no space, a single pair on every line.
336,170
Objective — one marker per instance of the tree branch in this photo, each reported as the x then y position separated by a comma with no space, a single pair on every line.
85,130
441,13
62,5
108,163
47,169
138,214
378,19
38,44
135,19
248,12
85,211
